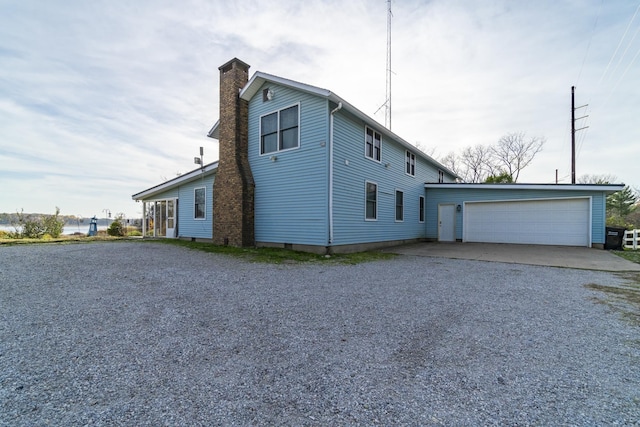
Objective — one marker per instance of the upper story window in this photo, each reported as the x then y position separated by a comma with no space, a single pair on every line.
373,144
440,176
199,203
410,168
279,130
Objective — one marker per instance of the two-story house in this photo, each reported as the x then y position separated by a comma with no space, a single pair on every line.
302,168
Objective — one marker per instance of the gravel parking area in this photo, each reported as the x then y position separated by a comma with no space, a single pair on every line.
148,334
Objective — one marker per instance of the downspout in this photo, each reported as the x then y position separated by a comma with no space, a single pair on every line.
335,110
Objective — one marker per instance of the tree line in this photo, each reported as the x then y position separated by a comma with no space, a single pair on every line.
503,161
11,218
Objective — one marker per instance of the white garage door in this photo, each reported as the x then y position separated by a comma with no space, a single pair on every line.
564,222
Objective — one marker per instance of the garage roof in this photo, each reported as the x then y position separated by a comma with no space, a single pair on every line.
607,188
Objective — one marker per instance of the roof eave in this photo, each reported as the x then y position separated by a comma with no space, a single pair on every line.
259,78
215,131
607,188
384,131
174,182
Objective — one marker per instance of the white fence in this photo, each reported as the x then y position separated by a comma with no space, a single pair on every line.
630,240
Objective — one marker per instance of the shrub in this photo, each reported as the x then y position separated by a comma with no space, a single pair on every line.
116,228
35,227
53,225
617,221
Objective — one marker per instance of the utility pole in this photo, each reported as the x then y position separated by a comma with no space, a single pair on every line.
573,132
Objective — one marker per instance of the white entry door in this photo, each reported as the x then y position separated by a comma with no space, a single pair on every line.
171,218
446,223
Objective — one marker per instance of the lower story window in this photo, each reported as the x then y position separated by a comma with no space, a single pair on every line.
421,209
399,205
371,195
199,206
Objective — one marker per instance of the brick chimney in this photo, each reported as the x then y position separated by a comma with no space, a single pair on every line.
233,188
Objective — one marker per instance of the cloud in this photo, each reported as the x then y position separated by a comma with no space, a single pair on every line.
100,100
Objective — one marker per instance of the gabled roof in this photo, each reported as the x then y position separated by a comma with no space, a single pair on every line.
607,188
177,181
259,78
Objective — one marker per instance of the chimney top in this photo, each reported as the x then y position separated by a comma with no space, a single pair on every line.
238,63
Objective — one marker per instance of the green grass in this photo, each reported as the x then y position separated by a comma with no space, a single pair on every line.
266,255
633,256
279,256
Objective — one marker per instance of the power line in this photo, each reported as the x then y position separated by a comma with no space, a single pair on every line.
624,73
620,43
625,51
593,30
612,73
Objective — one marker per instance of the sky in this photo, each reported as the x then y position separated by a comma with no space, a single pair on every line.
102,99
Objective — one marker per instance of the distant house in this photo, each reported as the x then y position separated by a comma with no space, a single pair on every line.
302,168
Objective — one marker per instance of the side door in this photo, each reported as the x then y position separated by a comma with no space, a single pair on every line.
172,208
446,223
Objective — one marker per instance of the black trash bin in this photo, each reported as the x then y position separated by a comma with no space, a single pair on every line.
614,239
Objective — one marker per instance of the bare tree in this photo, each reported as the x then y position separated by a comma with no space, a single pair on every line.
450,161
431,152
514,152
597,179
477,162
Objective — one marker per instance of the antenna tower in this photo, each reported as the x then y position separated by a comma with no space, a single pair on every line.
387,109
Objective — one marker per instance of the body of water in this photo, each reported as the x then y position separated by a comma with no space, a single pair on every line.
68,228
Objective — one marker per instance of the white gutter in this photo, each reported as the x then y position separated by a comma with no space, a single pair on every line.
335,110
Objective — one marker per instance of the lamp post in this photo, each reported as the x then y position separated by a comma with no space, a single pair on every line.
79,219
108,213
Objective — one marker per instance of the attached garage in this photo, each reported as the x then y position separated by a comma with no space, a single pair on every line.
538,214
565,222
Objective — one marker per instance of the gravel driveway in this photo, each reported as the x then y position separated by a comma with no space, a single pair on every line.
142,333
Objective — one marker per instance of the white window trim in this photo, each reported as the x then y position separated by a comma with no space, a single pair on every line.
271,153
395,204
440,176
413,157
365,200
422,206
205,204
365,144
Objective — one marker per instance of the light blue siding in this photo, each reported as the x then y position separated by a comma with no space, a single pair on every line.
291,196
352,168
437,196
169,194
188,226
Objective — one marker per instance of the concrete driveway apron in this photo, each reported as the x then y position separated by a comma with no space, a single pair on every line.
554,256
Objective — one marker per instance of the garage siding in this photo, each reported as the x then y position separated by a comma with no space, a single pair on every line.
435,196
